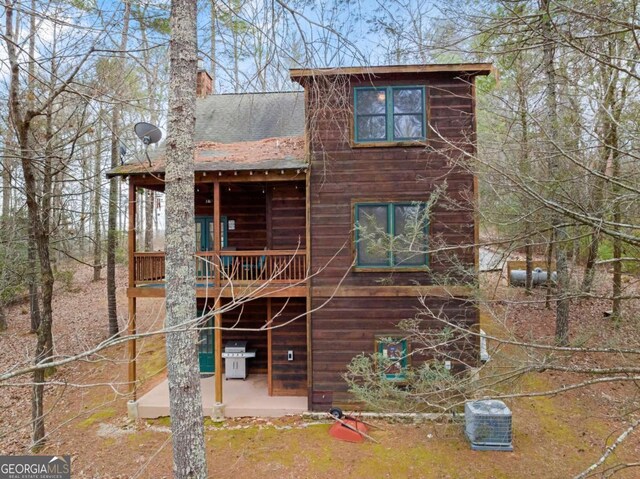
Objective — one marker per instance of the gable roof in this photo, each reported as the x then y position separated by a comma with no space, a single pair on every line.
232,118
247,131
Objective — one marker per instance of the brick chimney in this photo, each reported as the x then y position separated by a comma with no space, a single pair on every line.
204,82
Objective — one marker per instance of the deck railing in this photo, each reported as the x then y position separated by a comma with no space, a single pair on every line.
241,267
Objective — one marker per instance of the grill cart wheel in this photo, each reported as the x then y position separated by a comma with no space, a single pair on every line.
336,412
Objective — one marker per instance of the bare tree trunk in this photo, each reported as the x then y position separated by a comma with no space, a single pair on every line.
529,264
7,161
32,281
97,201
114,188
524,168
617,242
589,268
182,365
83,205
560,232
214,55
549,257
6,213
3,318
236,52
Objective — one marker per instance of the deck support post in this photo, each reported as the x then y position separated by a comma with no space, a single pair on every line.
269,349
218,352
131,344
217,232
131,350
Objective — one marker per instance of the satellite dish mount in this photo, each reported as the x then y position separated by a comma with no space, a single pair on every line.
149,134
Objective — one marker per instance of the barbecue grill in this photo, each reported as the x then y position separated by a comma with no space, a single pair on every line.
235,359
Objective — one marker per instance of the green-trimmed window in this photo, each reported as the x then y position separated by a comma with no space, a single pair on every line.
393,354
394,113
391,234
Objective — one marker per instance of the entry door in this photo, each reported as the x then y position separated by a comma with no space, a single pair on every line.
206,347
204,233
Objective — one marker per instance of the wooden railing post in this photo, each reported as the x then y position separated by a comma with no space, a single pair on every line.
131,349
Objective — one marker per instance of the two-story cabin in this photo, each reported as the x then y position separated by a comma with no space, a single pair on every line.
317,229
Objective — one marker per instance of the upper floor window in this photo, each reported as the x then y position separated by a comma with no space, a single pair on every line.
393,113
391,235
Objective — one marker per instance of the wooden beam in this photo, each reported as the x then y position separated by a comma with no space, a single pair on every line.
218,352
269,349
217,232
307,217
298,174
131,344
392,291
476,187
469,68
279,291
131,234
131,350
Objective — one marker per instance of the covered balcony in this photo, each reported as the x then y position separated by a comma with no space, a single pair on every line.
249,237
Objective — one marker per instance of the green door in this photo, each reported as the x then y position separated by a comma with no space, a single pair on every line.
204,240
204,232
206,346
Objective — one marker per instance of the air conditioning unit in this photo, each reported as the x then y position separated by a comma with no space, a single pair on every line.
488,425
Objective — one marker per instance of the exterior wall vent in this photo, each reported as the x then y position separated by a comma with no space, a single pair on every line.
488,425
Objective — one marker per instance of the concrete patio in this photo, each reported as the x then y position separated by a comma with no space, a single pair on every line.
241,398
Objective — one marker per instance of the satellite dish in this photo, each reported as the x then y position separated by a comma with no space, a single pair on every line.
148,133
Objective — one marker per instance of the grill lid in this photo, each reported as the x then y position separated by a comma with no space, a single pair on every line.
235,346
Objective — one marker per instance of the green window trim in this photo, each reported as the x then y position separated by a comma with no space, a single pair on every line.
393,353
392,261
390,114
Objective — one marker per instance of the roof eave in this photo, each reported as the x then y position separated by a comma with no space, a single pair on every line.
298,74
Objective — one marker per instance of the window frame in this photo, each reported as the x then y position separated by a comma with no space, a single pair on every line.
382,342
391,226
389,115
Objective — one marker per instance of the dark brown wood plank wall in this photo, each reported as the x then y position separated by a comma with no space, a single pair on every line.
245,203
348,326
342,174
288,215
289,377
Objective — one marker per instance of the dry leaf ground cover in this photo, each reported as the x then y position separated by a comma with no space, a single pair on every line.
554,437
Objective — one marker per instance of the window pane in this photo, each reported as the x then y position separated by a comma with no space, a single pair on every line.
373,244
198,235
371,102
372,128
407,126
407,100
410,241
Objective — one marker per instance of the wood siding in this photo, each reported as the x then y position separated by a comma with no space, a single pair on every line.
289,377
287,215
347,327
270,215
342,174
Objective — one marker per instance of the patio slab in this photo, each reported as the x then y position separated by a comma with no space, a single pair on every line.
241,398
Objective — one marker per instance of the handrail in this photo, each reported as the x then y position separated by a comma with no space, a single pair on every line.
242,267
